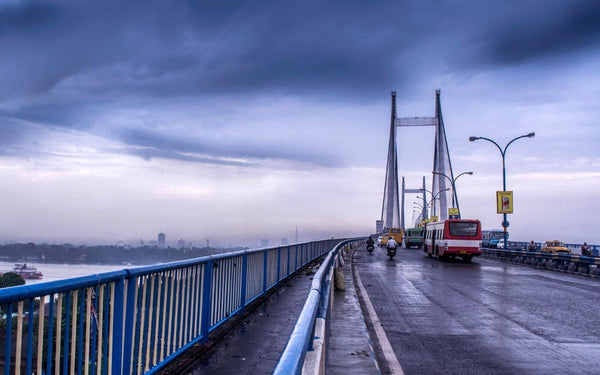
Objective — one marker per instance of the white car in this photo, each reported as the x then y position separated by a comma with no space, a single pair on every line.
379,240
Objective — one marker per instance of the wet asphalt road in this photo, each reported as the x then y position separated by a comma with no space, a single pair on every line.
484,317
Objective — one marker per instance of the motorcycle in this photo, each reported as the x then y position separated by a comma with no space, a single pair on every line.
370,248
391,252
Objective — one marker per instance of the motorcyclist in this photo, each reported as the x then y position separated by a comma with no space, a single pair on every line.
391,243
370,242
585,250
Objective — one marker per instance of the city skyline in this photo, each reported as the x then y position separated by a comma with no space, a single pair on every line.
238,122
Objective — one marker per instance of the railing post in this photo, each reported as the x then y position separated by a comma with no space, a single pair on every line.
7,343
80,330
95,329
117,355
206,299
128,338
288,261
30,324
50,330
266,259
67,335
244,282
278,264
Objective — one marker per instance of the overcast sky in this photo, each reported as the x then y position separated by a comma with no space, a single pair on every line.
239,121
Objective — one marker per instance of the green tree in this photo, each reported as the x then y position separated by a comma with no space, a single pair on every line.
11,279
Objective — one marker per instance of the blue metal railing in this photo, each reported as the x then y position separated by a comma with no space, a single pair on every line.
575,248
567,262
137,320
316,306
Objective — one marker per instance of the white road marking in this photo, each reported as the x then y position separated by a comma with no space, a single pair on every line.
388,352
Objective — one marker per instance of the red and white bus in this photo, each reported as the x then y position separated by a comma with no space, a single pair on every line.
453,237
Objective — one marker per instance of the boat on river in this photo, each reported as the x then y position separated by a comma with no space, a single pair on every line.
27,272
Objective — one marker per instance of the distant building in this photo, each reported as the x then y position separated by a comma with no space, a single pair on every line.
152,243
264,243
141,243
181,244
379,226
284,242
162,240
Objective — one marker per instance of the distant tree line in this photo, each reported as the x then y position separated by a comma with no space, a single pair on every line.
100,254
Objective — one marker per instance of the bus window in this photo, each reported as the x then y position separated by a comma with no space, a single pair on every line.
465,229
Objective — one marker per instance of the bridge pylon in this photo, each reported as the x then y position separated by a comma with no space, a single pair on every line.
390,211
392,214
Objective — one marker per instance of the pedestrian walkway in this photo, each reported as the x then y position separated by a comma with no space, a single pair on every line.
254,345
350,350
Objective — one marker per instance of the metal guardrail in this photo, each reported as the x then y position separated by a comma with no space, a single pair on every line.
315,310
566,262
575,248
137,320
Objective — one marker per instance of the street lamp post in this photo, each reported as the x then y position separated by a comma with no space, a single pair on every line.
419,207
420,215
503,153
453,182
433,197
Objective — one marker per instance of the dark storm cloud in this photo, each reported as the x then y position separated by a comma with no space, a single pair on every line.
572,28
148,145
187,48
63,62
57,114
170,48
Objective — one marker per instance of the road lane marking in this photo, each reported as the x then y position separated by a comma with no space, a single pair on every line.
386,347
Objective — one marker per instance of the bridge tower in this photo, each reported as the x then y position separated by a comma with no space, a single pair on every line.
440,191
441,163
390,212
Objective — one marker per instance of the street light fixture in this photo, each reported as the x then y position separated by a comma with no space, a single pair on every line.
434,197
503,153
453,182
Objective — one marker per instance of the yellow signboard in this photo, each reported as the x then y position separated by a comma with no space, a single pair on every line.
434,218
453,212
504,202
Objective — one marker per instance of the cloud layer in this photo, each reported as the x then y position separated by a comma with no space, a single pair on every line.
282,86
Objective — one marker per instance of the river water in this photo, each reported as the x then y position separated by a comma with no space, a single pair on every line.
54,271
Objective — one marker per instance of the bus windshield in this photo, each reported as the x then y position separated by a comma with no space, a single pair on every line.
463,229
